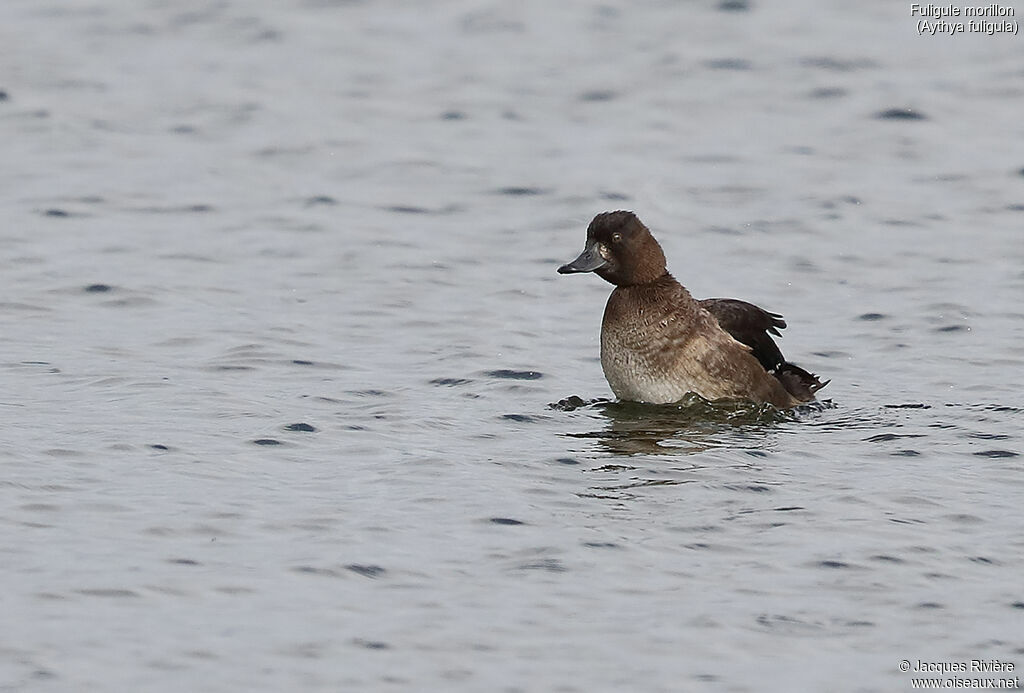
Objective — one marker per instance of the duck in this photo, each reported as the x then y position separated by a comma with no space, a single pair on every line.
659,344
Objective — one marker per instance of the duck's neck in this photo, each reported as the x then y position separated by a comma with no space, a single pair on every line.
663,284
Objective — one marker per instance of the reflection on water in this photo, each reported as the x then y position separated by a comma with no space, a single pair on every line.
687,427
657,444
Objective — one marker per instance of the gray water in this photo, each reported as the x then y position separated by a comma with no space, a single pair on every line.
295,400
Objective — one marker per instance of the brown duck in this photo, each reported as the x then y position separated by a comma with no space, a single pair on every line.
658,343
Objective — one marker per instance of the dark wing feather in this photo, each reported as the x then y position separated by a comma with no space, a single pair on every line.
799,382
750,325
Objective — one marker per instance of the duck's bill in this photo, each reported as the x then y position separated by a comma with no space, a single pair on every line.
588,261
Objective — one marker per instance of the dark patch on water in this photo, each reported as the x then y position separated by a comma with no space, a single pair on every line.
301,427
983,560
370,571
756,488
183,561
615,196
952,328
734,5
566,460
369,393
313,570
108,593
787,624
266,441
831,354
900,114
597,95
320,200
515,191
729,64
58,213
998,407
930,605
907,453
98,288
966,519
996,454
1017,605
177,209
159,446
407,209
724,230
267,35
911,405
506,521
833,564
827,93
883,558
453,115
302,362
601,545
371,644
3,95
551,565
835,64
789,508
520,418
885,437
450,382
871,317
515,375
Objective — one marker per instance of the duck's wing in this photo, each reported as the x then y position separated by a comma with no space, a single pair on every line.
750,325
799,382
753,326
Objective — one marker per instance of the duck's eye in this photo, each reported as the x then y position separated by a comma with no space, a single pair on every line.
616,237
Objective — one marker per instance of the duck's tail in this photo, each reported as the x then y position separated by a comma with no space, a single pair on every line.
798,382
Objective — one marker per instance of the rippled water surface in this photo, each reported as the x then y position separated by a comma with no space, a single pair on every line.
295,400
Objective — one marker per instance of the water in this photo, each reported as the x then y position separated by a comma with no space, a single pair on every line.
295,400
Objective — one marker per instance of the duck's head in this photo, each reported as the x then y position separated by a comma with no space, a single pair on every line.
621,250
